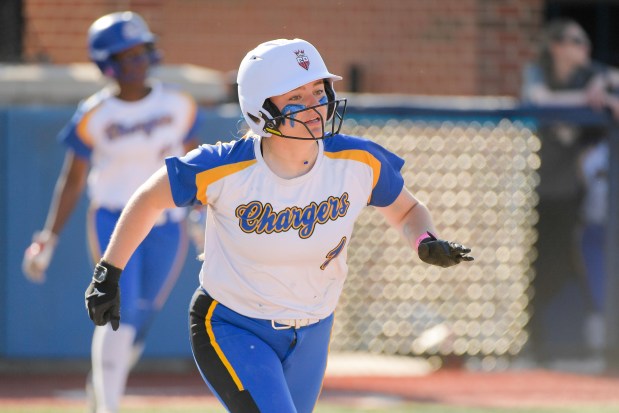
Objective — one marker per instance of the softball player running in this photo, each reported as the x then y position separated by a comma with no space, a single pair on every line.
282,202
116,140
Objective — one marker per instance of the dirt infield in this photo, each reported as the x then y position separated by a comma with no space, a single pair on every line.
476,389
518,388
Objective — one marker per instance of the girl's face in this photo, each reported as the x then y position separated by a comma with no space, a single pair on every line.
572,47
301,116
133,64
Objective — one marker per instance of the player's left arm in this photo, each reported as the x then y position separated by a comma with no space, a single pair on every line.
409,216
190,144
413,220
192,138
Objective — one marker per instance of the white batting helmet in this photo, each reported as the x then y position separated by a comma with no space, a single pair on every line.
274,68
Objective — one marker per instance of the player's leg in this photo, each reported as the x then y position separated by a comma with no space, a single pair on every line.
163,254
112,350
111,357
242,369
592,248
304,367
164,251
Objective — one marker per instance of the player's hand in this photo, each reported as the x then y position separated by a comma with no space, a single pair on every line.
38,255
103,295
596,93
442,253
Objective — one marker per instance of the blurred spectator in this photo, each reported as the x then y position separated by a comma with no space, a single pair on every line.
563,75
593,169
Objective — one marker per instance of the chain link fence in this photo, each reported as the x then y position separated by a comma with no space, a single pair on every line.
478,179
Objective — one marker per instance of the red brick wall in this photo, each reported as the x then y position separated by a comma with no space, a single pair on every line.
435,47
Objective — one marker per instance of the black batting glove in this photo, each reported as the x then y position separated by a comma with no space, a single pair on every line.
103,295
442,253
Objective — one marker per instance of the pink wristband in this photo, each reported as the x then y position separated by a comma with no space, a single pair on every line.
423,236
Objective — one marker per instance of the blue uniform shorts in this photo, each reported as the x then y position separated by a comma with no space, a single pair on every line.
151,272
252,367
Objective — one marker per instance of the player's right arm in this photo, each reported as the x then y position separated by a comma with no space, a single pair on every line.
67,192
102,297
139,217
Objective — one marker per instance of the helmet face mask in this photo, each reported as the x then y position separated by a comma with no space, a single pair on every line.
278,67
115,33
330,126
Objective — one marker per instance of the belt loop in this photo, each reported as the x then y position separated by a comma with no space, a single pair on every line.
282,327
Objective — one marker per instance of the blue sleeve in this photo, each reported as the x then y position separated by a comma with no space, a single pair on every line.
195,127
386,166
69,136
390,181
182,173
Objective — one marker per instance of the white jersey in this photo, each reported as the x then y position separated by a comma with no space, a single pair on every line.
276,248
127,142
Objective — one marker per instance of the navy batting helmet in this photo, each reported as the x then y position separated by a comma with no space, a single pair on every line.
114,33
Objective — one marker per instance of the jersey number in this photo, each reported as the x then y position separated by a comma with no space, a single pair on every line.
334,253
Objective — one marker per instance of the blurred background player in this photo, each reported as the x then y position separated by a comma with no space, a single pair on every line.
116,139
282,203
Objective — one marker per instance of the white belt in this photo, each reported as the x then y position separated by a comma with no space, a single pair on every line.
293,323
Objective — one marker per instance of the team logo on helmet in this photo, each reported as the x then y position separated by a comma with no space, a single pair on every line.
130,30
302,59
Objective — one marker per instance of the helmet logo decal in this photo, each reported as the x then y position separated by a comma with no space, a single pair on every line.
302,59
130,30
